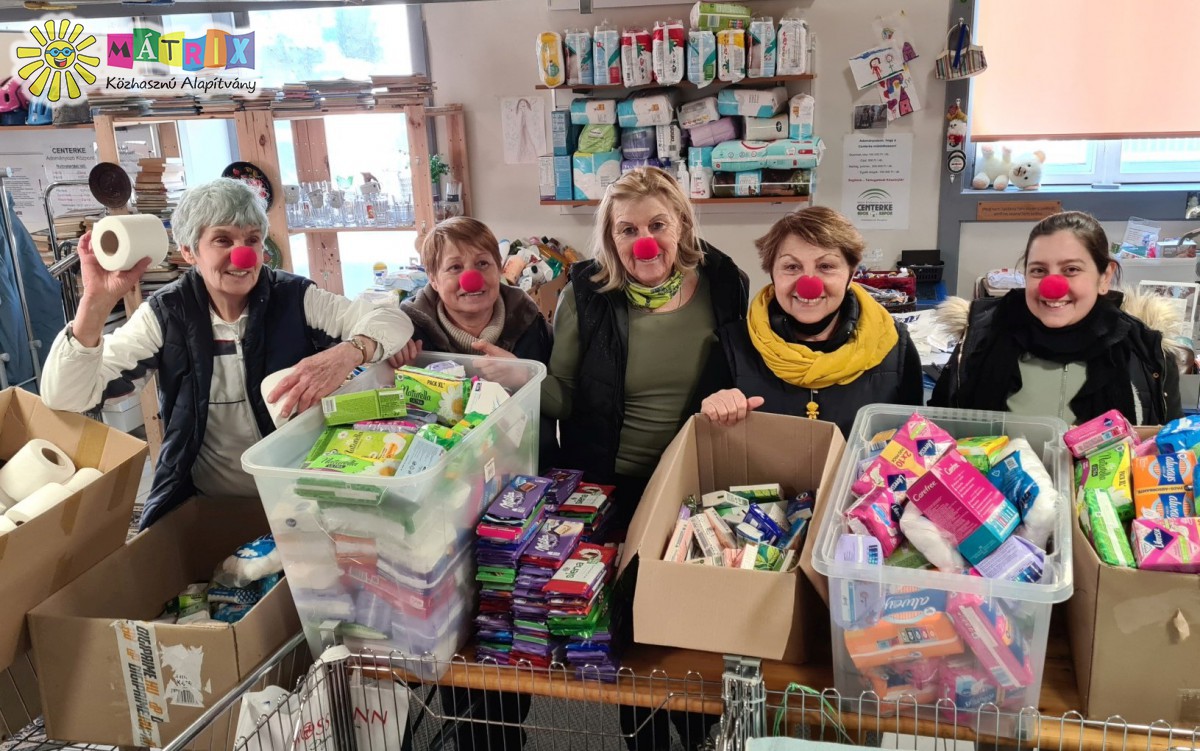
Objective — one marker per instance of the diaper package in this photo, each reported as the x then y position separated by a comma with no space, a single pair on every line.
1023,479
914,625
760,59
552,68
637,143
594,112
669,142
701,57
629,165
877,515
752,102
637,58
1163,485
731,55
960,500
711,134
593,173
801,116
1179,435
1106,530
1167,544
1098,433
740,156
578,46
789,154
982,452
606,56
933,542
791,56
699,112
669,52
857,604
765,128
594,139
998,644
1108,469
912,450
645,110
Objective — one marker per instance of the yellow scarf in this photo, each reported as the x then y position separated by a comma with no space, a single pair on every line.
872,340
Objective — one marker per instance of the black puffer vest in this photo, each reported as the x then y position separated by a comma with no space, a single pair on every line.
277,336
591,435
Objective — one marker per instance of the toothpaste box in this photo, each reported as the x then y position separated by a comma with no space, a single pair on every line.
1167,544
1163,485
1098,433
564,134
959,499
914,625
376,404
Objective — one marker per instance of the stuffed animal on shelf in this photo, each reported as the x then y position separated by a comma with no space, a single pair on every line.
994,172
1026,172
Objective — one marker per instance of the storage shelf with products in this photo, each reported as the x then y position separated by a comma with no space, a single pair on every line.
615,87
798,200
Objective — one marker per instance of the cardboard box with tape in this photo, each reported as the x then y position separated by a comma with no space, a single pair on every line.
769,614
50,550
110,675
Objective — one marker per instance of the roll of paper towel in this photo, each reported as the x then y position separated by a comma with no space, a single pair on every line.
37,463
46,498
268,385
6,525
81,479
120,242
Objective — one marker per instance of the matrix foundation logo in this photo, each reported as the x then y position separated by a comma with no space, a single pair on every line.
54,66
875,203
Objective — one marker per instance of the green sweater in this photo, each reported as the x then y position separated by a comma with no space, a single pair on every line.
667,352
1047,388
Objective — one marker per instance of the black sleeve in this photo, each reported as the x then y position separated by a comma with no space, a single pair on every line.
943,392
1171,390
912,382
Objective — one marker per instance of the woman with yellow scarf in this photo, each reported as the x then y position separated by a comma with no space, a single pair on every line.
815,344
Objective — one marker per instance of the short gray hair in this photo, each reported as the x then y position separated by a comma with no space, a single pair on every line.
223,201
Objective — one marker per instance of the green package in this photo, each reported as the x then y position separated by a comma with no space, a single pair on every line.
372,445
907,556
767,557
717,16
350,465
495,574
982,452
377,404
1108,533
1108,470
595,139
445,396
339,491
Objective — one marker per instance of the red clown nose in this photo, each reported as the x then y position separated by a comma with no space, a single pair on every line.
645,248
470,281
1053,287
243,257
809,287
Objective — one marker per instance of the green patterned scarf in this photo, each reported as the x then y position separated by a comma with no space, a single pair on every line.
642,297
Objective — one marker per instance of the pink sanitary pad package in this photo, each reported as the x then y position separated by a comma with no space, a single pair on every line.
877,515
1167,544
959,499
996,641
913,449
1098,433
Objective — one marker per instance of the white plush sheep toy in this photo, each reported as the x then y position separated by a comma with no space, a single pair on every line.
994,171
1026,172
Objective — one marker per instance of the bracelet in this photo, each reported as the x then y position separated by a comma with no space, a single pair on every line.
362,349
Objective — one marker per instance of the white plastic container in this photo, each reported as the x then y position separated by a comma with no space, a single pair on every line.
408,537
1026,607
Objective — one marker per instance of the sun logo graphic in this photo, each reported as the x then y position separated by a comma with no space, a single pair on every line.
59,62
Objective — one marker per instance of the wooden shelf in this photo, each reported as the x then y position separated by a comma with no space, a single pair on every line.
701,201
325,230
72,126
582,88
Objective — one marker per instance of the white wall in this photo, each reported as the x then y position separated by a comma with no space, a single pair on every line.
481,52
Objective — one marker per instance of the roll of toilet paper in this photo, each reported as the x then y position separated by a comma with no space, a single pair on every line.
44,499
37,463
5,502
6,525
268,385
81,479
120,242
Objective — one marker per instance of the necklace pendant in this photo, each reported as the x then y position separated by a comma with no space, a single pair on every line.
814,409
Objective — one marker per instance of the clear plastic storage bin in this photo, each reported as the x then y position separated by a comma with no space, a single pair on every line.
364,553
1008,621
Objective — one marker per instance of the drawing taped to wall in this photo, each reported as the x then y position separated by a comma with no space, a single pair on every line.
523,121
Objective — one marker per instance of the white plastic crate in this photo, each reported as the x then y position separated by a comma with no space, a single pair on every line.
408,539
1026,606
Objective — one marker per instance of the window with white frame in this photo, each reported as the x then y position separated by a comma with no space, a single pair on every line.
1108,163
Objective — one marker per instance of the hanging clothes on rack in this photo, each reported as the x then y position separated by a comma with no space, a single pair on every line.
44,298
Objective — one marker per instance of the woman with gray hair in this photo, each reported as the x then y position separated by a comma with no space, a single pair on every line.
212,336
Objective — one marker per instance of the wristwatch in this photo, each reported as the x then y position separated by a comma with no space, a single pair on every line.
362,348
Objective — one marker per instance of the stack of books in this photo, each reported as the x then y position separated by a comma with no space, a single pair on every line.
392,91
343,94
118,104
296,96
173,105
159,185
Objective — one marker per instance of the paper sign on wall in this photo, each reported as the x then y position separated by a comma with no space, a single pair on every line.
877,180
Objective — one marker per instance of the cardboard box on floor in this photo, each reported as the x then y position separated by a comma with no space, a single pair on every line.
40,557
765,614
94,638
1134,638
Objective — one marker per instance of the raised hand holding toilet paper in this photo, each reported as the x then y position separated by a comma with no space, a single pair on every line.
38,463
121,242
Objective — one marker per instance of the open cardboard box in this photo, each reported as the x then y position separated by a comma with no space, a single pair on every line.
755,613
40,557
110,676
1135,638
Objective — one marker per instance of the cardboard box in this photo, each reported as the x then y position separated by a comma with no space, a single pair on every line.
94,635
564,178
564,135
39,558
1128,638
774,615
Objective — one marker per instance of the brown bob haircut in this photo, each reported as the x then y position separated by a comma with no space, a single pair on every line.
462,231
815,225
